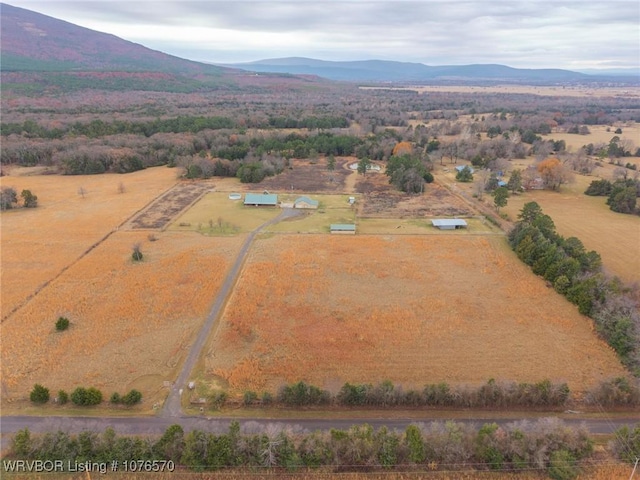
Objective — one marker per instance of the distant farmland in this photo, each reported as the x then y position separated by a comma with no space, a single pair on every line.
413,310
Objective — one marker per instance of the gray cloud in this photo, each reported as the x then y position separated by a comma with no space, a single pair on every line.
535,33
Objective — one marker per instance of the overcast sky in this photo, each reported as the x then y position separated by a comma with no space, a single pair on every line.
571,34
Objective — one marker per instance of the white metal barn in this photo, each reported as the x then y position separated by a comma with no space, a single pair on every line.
449,223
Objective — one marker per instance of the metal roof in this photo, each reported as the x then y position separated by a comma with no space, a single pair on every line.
343,226
459,168
261,199
444,222
306,200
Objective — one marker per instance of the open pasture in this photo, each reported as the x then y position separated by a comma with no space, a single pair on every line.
131,323
38,243
421,226
410,309
615,236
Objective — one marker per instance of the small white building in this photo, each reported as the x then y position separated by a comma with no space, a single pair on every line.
449,223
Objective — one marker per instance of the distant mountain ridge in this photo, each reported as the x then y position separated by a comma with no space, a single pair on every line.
391,71
31,41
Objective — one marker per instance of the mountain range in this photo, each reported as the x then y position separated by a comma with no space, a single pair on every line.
32,42
392,71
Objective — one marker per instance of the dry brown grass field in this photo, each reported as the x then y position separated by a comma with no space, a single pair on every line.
131,323
615,236
38,243
413,310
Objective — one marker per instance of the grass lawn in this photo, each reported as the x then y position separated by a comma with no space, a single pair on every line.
412,226
332,209
215,214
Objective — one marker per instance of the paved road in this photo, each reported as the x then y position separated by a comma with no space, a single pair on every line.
172,406
157,425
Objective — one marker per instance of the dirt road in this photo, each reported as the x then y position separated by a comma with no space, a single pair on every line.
172,405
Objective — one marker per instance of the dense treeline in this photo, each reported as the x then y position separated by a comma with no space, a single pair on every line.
622,194
577,274
84,135
544,445
193,124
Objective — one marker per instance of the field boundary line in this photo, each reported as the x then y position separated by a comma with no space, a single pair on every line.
41,287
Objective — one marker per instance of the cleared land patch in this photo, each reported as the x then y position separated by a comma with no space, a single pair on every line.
164,209
382,200
38,243
130,322
413,310
310,176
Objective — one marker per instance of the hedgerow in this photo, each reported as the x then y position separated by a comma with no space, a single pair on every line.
544,445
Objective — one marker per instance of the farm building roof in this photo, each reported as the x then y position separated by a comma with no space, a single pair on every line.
261,199
449,222
349,227
306,200
459,168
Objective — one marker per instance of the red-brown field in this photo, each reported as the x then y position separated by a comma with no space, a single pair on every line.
131,323
413,310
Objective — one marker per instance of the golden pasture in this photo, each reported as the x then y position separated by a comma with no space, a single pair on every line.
37,244
615,236
413,310
131,323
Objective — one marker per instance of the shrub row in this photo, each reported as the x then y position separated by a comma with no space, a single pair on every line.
131,398
546,444
491,394
615,392
83,396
